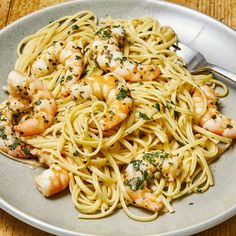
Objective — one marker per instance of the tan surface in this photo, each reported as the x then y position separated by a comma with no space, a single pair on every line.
10,10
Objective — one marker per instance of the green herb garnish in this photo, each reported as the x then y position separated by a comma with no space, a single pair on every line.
26,151
123,93
136,164
213,117
180,143
157,106
144,116
15,144
37,103
135,183
68,78
152,156
2,133
75,27
76,153
229,126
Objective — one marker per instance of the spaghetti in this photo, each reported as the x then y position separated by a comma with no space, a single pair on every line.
162,118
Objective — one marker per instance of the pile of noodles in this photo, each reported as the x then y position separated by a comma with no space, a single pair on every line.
162,118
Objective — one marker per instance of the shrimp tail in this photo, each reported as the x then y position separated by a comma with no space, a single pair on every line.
52,180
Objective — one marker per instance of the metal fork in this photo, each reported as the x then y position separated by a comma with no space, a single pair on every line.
196,62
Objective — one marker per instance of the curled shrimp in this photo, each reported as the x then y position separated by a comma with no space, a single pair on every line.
212,119
10,143
22,87
13,145
66,53
106,51
141,172
50,181
53,180
110,88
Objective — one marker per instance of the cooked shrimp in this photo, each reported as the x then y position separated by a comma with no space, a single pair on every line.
44,107
9,142
66,53
212,119
140,173
107,87
107,53
53,180
14,146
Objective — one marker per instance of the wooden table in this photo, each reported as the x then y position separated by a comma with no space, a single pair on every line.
11,10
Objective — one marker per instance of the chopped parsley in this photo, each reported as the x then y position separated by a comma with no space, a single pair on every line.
136,164
168,105
77,57
37,103
76,153
145,175
68,78
3,118
75,27
213,117
139,183
180,143
62,81
112,113
135,183
26,151
109,57
104,33
2,133
229,126
144,116
151,157
157,106
15,144
16,116
163,155
123,93
198,190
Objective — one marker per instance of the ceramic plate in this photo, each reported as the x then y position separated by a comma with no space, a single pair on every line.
18,194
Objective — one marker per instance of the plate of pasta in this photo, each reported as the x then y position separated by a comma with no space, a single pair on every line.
103,129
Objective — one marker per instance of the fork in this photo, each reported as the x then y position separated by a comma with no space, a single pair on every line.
196,62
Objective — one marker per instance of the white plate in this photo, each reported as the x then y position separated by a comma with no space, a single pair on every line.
18,194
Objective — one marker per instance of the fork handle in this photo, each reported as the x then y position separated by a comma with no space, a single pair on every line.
218,70
223,72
